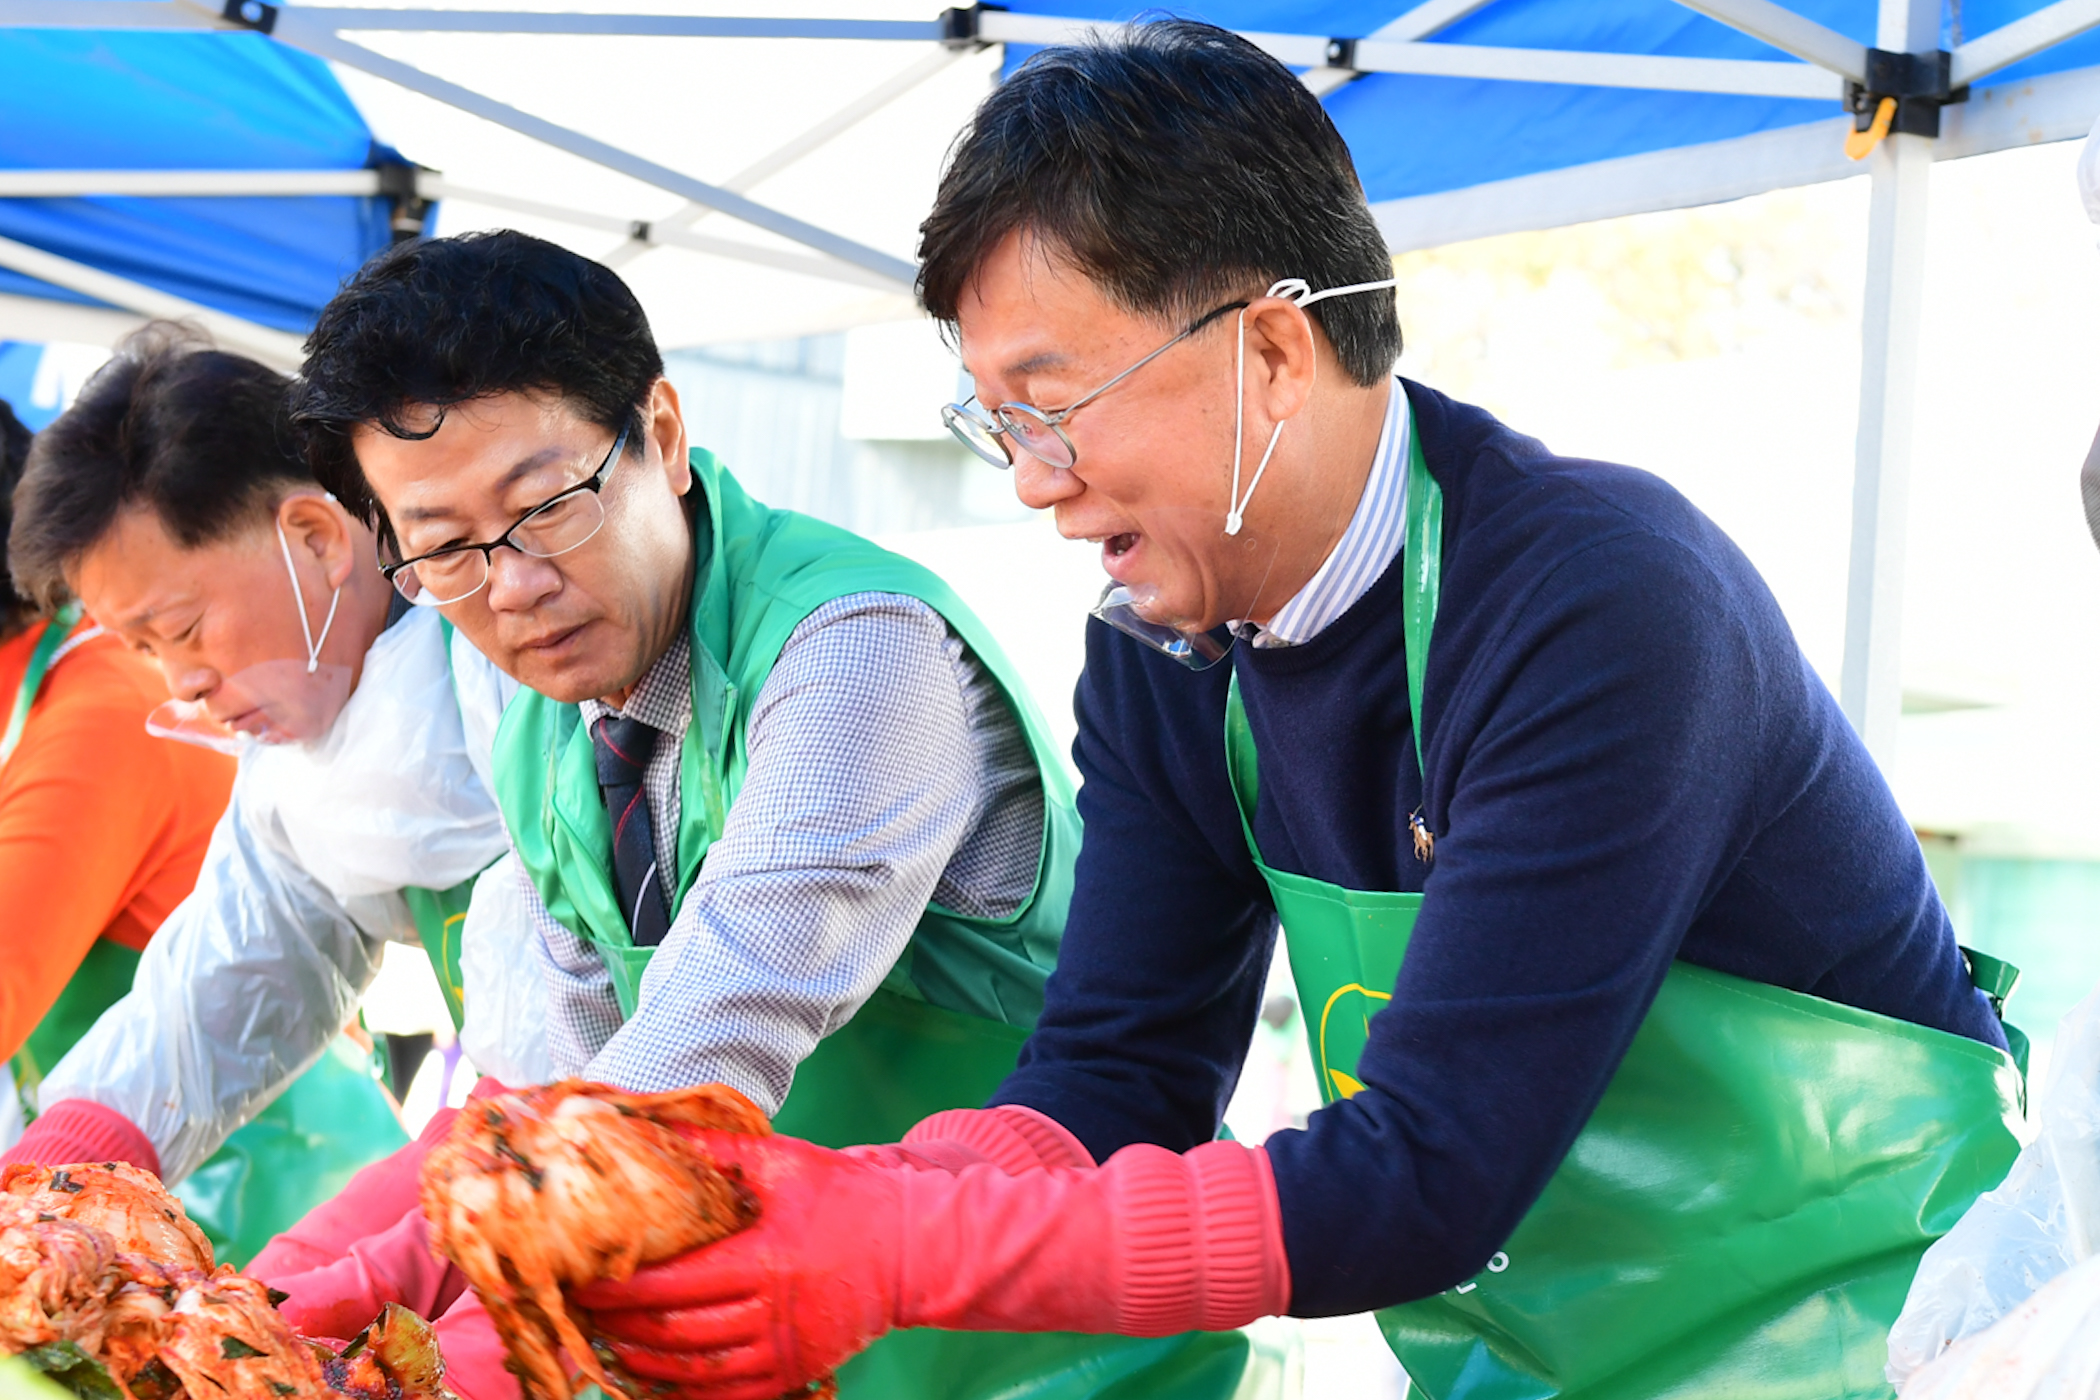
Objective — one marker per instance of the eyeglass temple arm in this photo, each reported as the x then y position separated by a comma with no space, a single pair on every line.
1084,399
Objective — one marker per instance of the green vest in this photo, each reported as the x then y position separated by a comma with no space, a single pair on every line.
970,986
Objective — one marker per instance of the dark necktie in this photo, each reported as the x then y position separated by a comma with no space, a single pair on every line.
623,747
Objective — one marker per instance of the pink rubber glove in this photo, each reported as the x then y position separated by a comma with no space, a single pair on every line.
844,1250
80,1130
341,1298
475,1362
1010,1137
370,1203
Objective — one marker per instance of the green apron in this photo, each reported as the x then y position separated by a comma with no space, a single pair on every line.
1744,1210
947,1025
296,1153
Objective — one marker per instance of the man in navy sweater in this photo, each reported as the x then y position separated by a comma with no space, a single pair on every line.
1664,1095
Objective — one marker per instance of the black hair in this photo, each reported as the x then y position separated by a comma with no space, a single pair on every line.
196,434
441,321
15,611
1178,167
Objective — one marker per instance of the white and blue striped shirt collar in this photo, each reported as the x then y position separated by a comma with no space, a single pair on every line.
1367,548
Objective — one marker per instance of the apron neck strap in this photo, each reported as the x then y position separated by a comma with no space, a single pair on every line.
40,663
1422,556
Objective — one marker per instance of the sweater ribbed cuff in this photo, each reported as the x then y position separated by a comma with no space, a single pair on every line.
1011,1138
81,1130
1202,1242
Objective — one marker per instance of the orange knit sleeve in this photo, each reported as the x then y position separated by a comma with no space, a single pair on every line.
102,827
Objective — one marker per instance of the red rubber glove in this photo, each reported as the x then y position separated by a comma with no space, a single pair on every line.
844,1250
475,1362
341,1298
81,1130
1010,1137
370,1203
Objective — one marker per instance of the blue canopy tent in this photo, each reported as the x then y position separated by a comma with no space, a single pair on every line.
254,267
1467,117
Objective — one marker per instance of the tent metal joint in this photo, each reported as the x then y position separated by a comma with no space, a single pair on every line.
401,186
259,15
1341,53
962,28
1921,83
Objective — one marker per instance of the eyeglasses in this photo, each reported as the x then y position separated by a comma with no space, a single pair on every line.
1039,433
555,526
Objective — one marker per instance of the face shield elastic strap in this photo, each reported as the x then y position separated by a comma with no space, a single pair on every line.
313,648
1119,606
1299,294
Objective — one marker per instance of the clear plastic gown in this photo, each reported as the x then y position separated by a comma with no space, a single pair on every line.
249,978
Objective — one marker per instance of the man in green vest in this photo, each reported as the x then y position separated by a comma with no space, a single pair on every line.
1652,1062
788,819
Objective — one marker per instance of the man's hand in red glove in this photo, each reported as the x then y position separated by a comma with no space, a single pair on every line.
845,1249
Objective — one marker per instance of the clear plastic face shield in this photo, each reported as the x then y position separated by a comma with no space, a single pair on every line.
272,702
1139,610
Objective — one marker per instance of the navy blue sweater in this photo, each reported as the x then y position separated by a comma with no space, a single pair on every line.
1628,761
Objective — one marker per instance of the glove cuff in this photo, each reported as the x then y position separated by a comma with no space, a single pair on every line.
1010,1137
81,1130
1201,1244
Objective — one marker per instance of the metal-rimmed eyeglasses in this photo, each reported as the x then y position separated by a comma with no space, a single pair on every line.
1040,433
562,522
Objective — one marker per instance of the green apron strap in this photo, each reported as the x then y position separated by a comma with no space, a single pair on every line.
100,982
439,916
40,663
1423,553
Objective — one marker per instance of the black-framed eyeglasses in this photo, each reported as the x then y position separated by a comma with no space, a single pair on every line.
562,522
1041,433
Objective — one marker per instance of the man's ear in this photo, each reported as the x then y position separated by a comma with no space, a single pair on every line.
1283,341
664,421
316,525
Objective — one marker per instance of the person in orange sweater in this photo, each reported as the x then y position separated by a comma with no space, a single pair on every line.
102,826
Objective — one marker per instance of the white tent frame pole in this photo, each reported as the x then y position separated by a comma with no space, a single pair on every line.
184,184
809,265
1792,33
315,29
1429,17
1871,684
2023,38
765,167
1582,68
324,43
278,348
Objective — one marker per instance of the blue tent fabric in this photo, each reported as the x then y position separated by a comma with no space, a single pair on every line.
100,100
1418,135
18,366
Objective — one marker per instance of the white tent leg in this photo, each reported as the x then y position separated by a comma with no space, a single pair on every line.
1871,689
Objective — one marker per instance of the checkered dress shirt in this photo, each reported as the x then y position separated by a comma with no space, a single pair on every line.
886,771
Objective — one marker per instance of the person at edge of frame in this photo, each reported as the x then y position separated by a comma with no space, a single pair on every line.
166,500
788,818
102,827
1652,1062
